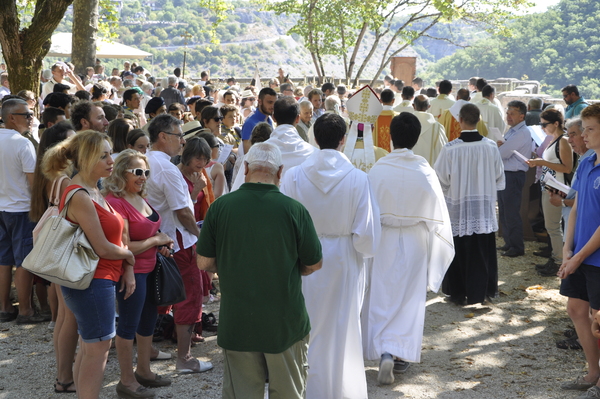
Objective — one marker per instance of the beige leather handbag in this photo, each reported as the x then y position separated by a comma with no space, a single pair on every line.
62,253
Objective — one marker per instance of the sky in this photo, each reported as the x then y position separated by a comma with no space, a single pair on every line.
542,5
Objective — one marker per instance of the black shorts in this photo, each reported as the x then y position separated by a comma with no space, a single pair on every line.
584,284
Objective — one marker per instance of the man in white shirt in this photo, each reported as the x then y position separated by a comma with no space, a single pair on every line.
339,200
4,85
471,172
433,135
415,252
294,150
490,113
168,194
17,164
442,102
60,70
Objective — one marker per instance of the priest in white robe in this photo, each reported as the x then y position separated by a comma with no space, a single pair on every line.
433,135
416,249
294,150
490,113
408,94
471,173
339,200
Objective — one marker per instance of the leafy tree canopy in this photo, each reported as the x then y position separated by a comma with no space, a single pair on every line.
558,47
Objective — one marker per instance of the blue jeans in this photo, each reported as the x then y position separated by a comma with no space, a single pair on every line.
16,237
135,313
94,309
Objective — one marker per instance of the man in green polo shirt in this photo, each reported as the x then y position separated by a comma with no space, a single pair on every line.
261,242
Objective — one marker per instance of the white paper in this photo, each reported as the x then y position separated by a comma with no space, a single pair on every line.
495,134
520,156
537,134
551,181
455,108
224,154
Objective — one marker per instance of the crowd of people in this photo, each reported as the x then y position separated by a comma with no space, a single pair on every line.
326,213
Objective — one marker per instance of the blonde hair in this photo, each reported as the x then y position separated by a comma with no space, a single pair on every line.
196,90
82,151
116,182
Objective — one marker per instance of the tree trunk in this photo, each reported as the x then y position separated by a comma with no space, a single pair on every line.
367,58
387,59
25,49
316,63
85,27
359,40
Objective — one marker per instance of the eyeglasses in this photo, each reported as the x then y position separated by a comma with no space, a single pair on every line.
180,135
543,125
139,172
218,118
27,115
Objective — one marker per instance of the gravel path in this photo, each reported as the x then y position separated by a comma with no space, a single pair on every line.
502,350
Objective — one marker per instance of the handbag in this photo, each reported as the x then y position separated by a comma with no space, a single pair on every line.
62,253
52,210
165,285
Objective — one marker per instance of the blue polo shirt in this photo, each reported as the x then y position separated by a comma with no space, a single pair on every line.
587,186
252,121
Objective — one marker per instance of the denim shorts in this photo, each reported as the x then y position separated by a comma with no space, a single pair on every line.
136,314
16,237
94,309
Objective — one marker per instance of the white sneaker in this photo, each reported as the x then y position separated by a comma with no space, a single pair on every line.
386,370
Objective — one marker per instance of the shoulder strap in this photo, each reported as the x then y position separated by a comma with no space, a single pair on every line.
557,149
68,198
55,192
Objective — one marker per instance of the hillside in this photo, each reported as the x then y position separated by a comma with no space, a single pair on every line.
558,47
249,38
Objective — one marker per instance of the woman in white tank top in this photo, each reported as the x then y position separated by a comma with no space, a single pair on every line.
557,166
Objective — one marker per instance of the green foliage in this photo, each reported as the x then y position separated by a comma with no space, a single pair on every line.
108,19
558,47
337,27
219,10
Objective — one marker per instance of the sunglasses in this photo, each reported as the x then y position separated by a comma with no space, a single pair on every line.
27,115
139,172
543,125
218,118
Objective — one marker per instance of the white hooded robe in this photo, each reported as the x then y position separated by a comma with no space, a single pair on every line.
339,200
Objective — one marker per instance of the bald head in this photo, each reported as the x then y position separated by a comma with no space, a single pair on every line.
421,103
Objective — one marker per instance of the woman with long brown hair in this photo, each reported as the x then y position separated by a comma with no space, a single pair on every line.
65,327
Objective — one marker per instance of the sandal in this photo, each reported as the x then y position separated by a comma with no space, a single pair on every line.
571,343
209,322
65,387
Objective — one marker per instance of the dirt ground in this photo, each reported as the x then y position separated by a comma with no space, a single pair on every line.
502,350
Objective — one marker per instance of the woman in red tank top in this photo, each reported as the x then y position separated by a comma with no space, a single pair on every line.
94,307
